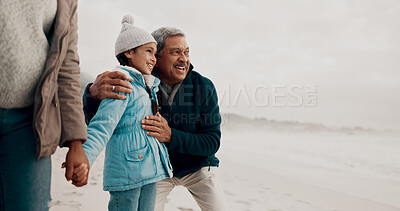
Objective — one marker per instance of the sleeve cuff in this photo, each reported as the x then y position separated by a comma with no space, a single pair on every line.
88,100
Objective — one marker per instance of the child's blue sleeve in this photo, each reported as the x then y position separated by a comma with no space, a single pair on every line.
102,126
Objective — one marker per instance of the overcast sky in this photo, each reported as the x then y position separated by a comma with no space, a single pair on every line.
332,62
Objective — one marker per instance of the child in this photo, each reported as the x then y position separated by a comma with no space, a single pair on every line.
134,162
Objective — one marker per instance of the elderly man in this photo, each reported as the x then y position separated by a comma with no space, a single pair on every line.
190,121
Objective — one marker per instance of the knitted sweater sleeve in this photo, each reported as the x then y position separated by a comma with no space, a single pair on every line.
90,104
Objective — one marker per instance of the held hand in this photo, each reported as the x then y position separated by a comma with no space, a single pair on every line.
107,83
76,164
80,175
157,127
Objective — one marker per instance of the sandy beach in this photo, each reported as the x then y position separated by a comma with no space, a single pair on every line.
277,171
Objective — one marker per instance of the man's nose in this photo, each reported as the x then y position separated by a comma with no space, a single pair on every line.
183,58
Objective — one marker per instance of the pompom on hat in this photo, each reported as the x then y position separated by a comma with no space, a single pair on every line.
131,36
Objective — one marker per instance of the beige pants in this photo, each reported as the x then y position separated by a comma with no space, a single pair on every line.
204,185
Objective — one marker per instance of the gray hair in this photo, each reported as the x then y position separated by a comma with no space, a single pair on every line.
161,34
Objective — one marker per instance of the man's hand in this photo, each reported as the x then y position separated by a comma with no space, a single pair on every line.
76,164
107,83
157,127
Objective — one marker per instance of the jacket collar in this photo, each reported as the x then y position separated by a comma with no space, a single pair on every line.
144,80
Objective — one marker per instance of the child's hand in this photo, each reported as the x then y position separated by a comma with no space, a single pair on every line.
80,175
74,159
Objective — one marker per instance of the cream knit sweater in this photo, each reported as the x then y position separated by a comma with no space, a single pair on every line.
24,43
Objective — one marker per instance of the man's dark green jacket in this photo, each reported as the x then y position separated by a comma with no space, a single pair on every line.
194,119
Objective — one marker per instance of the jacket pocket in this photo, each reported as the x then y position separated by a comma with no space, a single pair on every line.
140,164
138,155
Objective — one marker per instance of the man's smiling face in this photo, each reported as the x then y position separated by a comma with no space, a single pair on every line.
173,63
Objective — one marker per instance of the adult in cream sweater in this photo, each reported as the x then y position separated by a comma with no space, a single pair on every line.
40,104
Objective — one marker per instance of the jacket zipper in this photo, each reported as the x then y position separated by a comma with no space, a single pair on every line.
41,93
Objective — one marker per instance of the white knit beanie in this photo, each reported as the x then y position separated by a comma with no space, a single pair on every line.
131,36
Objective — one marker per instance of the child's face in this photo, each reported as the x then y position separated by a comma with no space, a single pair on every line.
143,58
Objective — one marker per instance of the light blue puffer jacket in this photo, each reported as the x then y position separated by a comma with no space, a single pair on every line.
132,158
